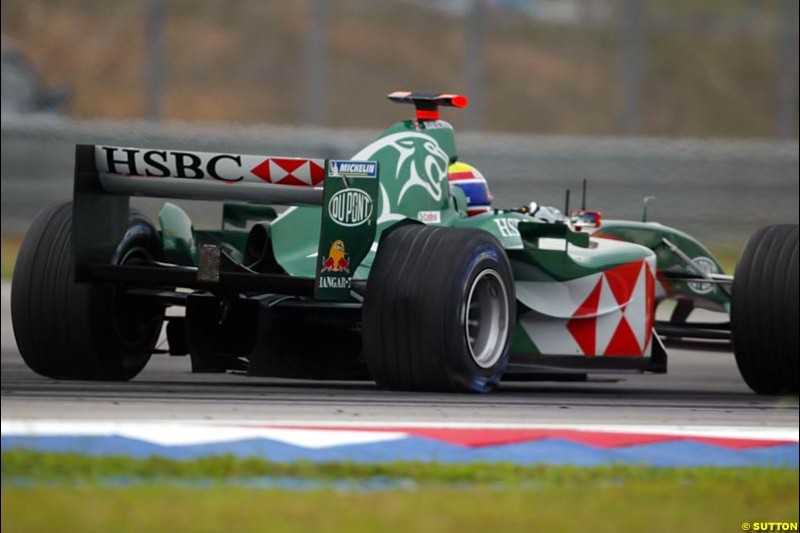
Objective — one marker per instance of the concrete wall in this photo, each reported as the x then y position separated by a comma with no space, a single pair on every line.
719,191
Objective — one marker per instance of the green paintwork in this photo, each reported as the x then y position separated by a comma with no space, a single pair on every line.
534,264
533,232
520,235
650,234
459,200
180,240
522,344
295,239
407,154
404,153
502,225
344,239
177,235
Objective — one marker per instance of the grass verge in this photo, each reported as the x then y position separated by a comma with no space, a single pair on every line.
68,490
56,466
633,507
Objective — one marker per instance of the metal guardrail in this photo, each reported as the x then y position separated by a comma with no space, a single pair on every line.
719,191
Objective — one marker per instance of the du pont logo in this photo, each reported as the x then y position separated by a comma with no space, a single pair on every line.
350,207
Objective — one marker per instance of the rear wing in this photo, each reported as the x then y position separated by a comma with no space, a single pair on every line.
106,176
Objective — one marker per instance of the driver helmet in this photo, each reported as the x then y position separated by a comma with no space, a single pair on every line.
470,180
545,213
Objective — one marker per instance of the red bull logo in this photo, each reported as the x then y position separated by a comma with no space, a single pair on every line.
337,259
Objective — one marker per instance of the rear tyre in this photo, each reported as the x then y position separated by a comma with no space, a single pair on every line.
764,310
68,330
439,310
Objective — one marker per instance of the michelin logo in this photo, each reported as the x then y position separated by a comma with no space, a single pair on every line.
353,169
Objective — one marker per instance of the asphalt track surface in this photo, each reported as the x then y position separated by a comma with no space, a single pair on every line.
703,388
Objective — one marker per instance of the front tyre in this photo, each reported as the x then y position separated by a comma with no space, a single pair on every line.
439,311
764,310
91,331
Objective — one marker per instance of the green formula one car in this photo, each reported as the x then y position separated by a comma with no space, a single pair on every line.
383,266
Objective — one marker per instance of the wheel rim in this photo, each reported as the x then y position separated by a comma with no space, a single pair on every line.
486,324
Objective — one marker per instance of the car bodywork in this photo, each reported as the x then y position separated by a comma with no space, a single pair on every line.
281,293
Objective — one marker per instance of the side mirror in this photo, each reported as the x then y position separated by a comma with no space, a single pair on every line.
581,218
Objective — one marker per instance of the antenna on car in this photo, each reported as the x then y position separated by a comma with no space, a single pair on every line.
646,201
583,196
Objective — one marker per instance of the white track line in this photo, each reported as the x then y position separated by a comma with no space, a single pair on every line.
172,432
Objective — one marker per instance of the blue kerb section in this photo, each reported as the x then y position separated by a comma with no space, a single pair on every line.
546,451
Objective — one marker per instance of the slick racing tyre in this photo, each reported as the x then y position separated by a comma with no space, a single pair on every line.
439,310
69,330
764,311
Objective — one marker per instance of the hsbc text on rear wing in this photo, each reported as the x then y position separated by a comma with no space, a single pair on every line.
106,177
203,175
